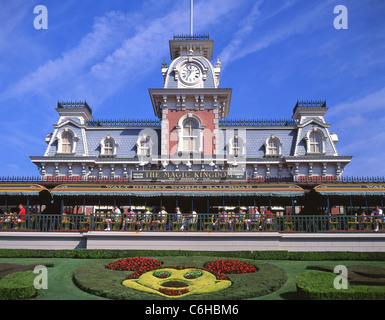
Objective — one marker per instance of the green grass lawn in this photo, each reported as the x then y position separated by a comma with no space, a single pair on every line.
62,287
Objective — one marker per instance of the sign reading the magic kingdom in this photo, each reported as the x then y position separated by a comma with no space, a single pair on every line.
187,175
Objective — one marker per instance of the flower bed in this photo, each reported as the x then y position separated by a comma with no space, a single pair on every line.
173,292
161,274
230,266
135,264
95,278
217,267
193,275
213,275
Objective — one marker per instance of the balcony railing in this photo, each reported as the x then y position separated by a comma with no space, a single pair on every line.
200,222
301,179
124,123
191,37
228,122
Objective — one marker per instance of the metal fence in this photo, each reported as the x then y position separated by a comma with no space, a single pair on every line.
200,222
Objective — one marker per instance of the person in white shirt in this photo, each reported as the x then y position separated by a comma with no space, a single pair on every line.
192,217
378,217
116,213
178,215
162,217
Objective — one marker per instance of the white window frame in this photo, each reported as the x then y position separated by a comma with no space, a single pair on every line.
198,133
113,147
277,147
310,143
60,144
190,140
237,150
144,151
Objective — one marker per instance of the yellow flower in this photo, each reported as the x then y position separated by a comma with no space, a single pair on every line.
206,283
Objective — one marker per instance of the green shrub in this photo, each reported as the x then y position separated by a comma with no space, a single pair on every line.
336,256
18,286
256,255
319,285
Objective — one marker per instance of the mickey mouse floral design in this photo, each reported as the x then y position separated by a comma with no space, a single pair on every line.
178,281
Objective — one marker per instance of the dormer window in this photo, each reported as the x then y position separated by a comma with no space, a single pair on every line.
236,146
66,141
108,146
315,141
273,147
144,146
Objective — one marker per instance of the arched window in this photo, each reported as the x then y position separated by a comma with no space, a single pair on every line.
190,134
66,142
315,143
273,146
144,146
108,146
236,146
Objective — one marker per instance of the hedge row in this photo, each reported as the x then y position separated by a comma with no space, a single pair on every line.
18,286
256,255
319,285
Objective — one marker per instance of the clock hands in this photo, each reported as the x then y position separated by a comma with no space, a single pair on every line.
190,73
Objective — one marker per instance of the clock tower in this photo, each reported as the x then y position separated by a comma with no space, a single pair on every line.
191,103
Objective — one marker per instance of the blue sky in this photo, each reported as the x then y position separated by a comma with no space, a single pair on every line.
273,52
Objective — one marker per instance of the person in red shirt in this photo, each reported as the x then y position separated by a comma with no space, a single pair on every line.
269,215
21,213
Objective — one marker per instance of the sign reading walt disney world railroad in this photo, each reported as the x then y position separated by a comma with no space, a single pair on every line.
187,175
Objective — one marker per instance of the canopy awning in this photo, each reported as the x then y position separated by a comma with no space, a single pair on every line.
192,190
21,189
351,189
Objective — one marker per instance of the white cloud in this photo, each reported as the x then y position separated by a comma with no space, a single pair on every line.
359,125
120,47
372,102
246,27
12,13
300,21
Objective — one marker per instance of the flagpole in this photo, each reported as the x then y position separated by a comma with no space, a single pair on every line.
191,18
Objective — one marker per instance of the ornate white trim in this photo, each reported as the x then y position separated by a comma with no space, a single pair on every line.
321,134
102,146
140,148
200,129
279,146
59,140
241,147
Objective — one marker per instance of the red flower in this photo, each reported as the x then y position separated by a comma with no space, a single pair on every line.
218,267
221,266
173,292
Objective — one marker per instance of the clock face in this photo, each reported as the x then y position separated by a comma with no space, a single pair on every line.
190,73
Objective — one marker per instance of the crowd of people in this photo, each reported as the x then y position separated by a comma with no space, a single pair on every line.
375,218
228,221
150,219
237,219
13,216
223,220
